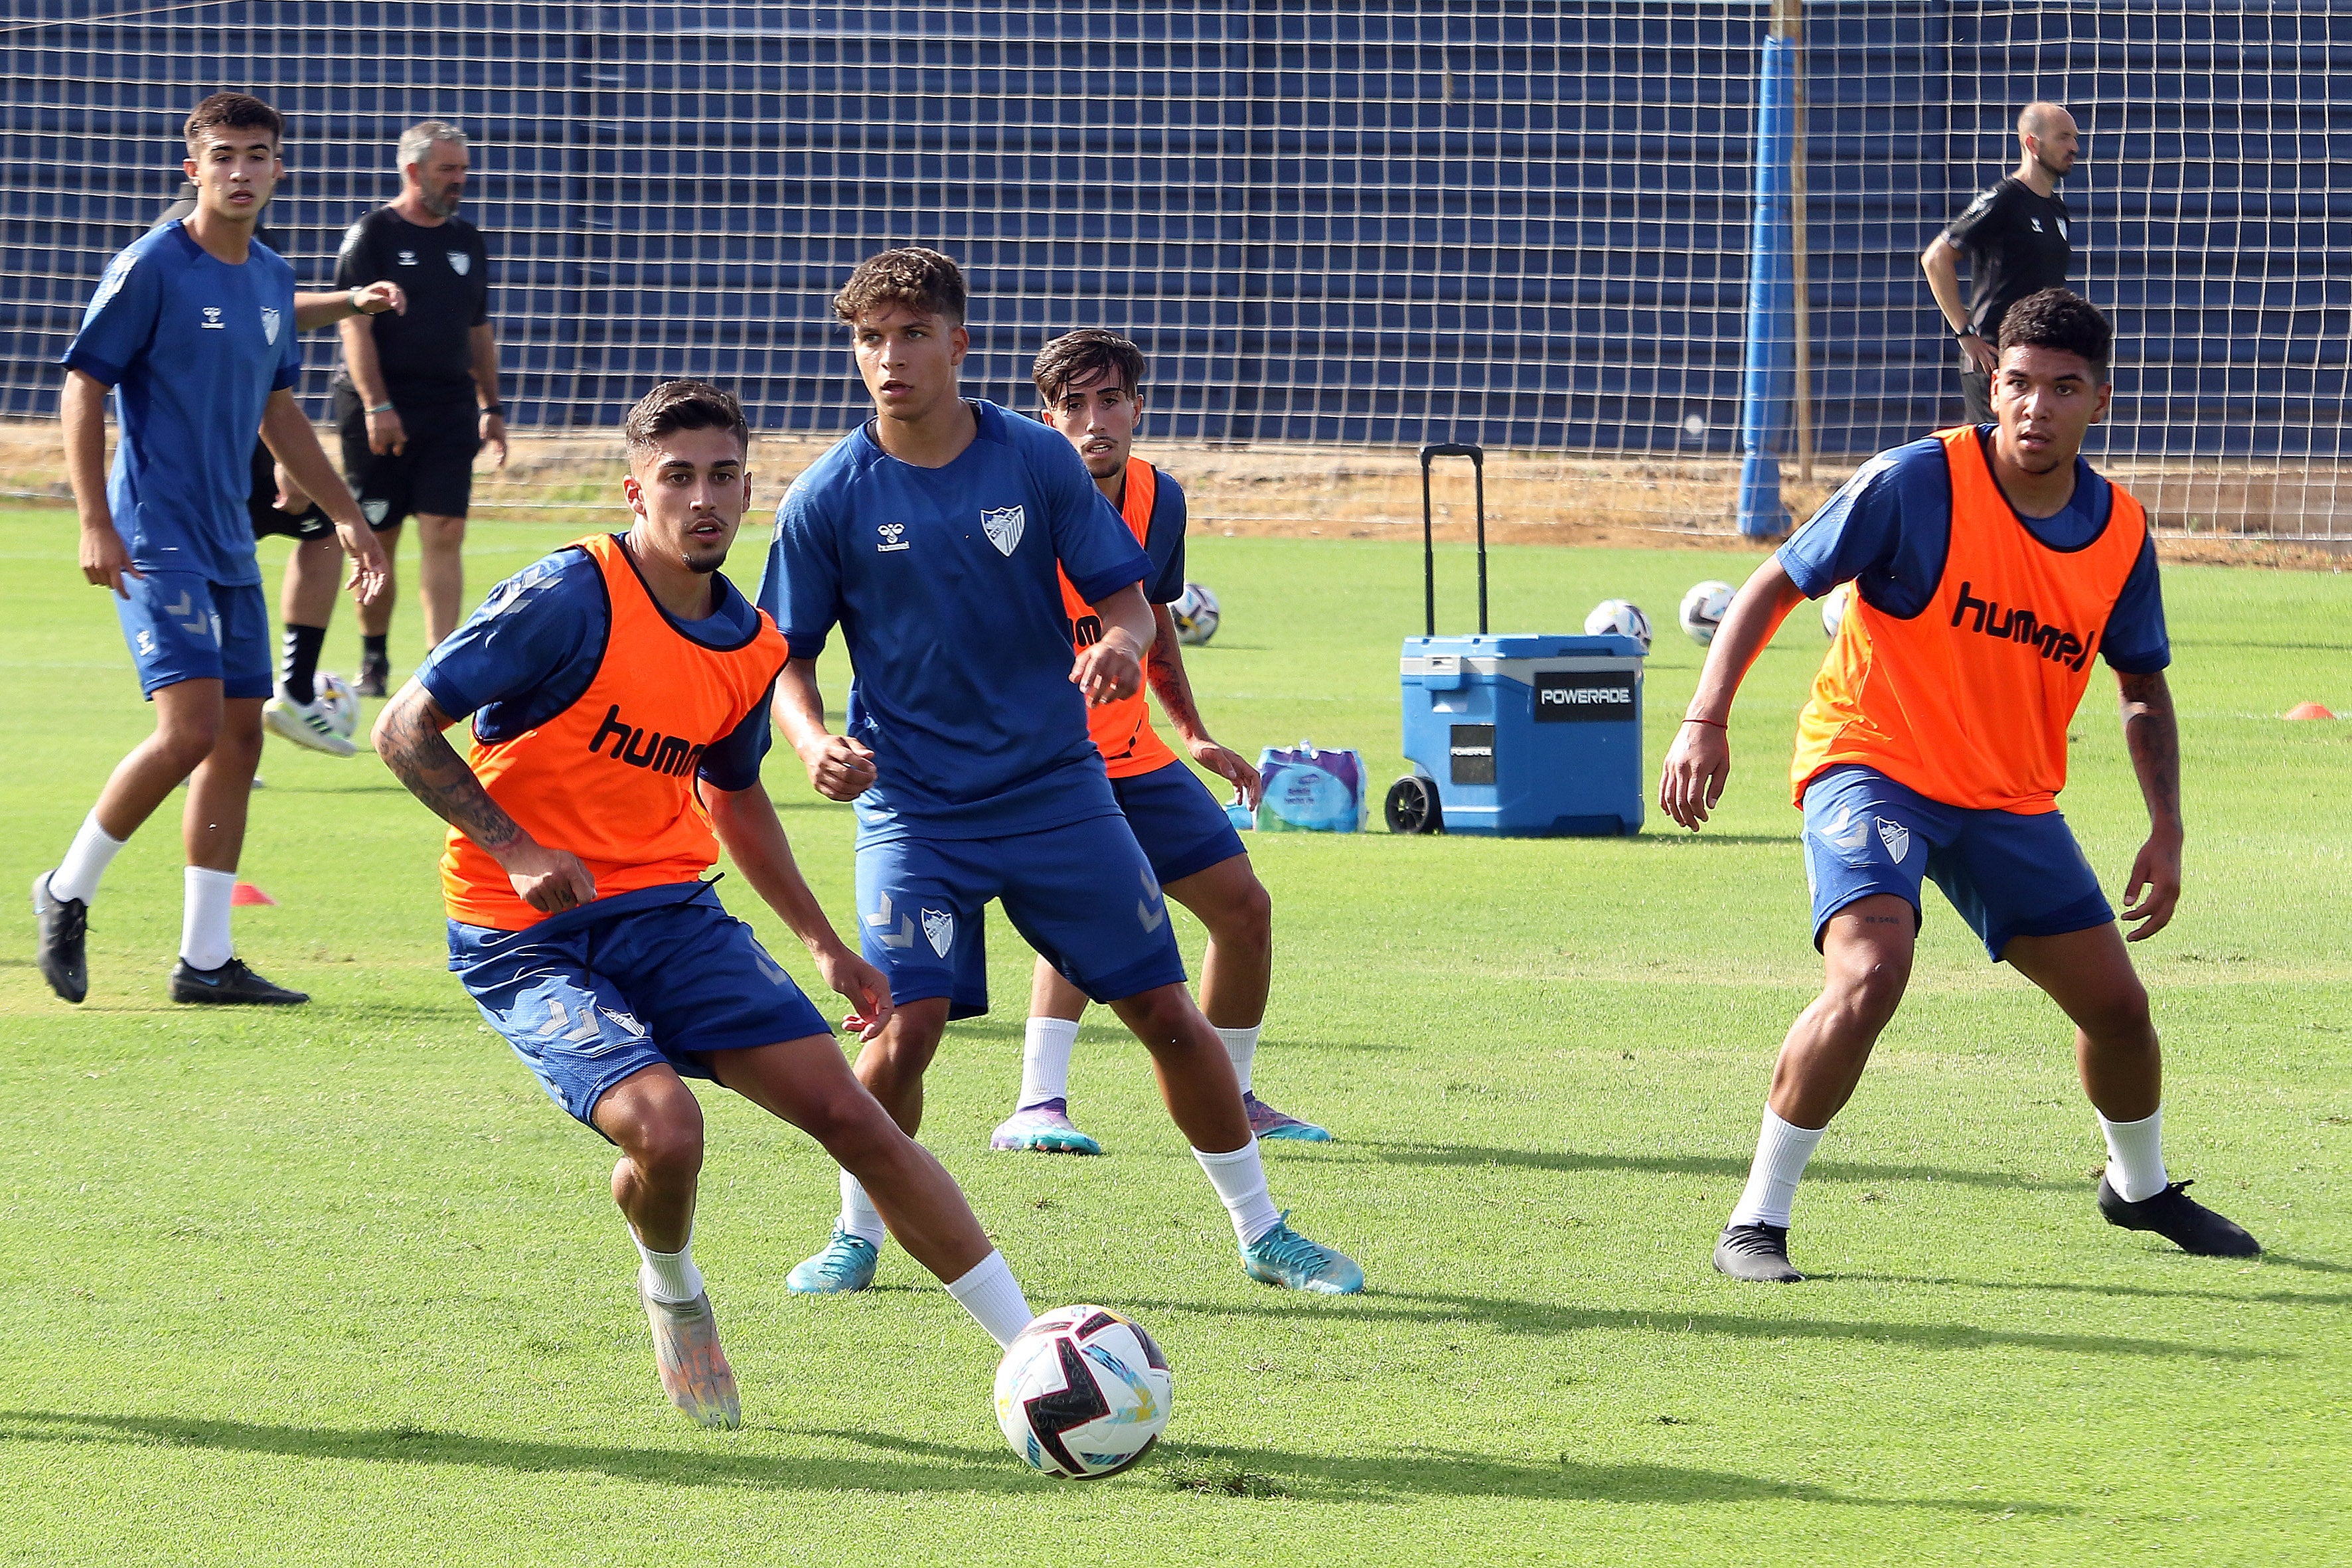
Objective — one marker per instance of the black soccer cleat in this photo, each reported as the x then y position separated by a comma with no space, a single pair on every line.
373,678
63,923
1756,1252
2180,1220
230,985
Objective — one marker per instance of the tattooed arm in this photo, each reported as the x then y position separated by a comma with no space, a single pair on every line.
1165,669
408,738
2154,739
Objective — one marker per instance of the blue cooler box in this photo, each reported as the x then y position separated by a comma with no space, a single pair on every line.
1527,736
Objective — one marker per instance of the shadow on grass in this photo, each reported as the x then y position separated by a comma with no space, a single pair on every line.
2137,1292
1451,1472
1526,1317
1410,1153
2312,1264
907,1465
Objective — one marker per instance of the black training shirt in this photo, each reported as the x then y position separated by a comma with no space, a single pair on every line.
2017,243
427,354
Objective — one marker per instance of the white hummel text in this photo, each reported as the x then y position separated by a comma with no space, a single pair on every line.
894,537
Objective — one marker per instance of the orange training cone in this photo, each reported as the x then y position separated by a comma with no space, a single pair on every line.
2308,710
246,893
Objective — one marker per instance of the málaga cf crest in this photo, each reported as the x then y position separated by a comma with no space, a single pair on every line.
1003,527
269,322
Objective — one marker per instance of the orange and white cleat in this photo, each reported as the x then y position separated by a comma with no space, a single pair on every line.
694,1370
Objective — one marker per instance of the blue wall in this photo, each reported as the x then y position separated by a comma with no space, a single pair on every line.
1520,223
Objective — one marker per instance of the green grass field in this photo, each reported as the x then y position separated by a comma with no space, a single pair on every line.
339,1285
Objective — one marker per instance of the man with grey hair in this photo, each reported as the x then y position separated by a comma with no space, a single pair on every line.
2018,240
417,394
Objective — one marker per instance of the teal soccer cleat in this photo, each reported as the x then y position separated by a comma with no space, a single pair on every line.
1268,1122
1283,1256
846,1264
1044,1128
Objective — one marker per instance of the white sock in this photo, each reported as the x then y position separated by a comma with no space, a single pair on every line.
1782,1150
203,920
1045,1061
668,1276
2136,1156
859,1218
990,1294
1240,1180
77,874
1241,1046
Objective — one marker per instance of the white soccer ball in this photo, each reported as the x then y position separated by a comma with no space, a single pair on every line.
1196,614
1622,616
1833,608
342,702
1082,1393
1704,609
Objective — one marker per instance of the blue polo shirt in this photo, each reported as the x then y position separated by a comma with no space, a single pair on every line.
942,582
192,347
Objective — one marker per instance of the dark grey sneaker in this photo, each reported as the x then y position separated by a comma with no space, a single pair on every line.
63,923
2180,1220
373,678
230,985
1758,1252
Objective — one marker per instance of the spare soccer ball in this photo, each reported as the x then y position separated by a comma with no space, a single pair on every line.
1082,1393
1621,616
1704,609
1833,607
342,702
1195,613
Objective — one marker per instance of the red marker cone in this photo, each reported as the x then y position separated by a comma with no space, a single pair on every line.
246,893
2308,710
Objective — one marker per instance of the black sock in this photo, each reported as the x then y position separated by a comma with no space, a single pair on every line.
298,669
372,648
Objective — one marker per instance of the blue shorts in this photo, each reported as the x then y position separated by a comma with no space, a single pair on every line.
1081,894
1178,822
2008,874
661,975
183,628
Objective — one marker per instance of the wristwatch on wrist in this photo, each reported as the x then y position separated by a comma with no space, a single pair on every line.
1966,333
357,308
497,408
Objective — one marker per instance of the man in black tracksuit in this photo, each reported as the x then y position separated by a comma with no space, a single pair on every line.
417,395
2018,240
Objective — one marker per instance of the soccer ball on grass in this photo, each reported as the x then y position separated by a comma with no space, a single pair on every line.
1082,1393
1620,617
1195,613
1703,610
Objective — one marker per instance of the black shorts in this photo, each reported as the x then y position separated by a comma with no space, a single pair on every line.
261,502
433,473
1976,396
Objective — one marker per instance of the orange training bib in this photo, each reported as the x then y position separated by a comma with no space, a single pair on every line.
1968,702
612,777
1122,731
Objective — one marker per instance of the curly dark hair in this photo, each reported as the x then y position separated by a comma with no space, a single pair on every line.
683,405
2063,319
233,111
912,276
1085,353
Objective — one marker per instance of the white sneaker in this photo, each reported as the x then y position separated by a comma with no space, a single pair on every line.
305,724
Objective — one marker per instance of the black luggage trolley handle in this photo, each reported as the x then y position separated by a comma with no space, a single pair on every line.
1477,456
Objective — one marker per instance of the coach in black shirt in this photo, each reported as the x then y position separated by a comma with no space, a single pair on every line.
2018,240
417,396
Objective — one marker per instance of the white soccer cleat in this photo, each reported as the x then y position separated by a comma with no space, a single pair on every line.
307,725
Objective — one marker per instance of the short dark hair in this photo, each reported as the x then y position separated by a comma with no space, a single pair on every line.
233,111
683,405
2063,319
912,276
1082,355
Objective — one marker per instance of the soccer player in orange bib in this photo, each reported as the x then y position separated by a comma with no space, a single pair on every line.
1090,388
620,692
1990,564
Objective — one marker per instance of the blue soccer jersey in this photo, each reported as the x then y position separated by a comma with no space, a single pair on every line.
193,348
942,581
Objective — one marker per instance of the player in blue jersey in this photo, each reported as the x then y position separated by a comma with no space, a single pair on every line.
931,536
194,330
